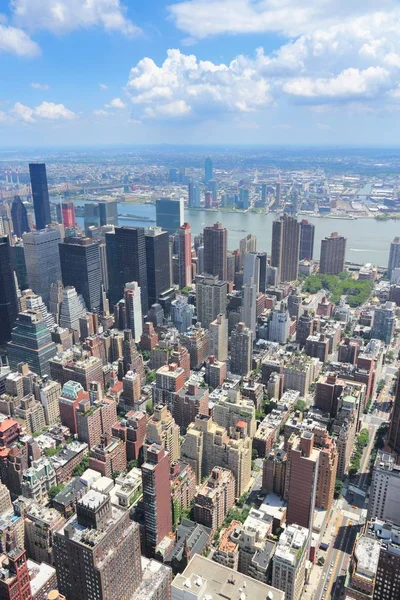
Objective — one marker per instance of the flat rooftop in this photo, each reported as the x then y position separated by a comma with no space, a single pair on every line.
205,579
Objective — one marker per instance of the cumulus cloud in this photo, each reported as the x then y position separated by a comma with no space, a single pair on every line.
100,113
46,111
65,16
204,18
116,103
16,41
40,86
184,85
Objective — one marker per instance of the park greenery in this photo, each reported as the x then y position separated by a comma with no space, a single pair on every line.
81,468
361,443
357,292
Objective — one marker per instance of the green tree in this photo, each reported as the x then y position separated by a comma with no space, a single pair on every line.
149,407
338,488
150,377
55,489
300,405
81,468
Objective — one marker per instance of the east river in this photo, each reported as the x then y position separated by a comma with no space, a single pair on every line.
368,240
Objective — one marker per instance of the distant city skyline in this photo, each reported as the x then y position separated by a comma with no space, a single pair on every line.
210,71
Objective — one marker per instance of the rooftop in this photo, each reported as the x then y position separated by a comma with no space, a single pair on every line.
207,580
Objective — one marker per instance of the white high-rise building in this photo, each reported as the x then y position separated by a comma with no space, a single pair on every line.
35,302
279,325
249,308
289,562
182,314
251,268
133,307
384,499
219,337
72,308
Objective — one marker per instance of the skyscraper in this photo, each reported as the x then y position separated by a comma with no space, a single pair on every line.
251,268
208,170
31,343
219,337
72,309
307,231
194,195
246,245
8,292
68,214
384,322
133,310
42,260
216,251
249,307
286,247
158,263
169,214
40,194
99,214
333,251
80,268
126,261
19,217
211,298
156,496
241,350
301,479
97,552
185,255
394,430
394,256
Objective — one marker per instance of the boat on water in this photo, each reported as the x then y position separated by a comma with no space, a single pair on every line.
136,218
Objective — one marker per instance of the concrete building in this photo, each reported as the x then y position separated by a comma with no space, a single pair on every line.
162,430
182,313
185,255
204,578
249,307
301,479
72,308
97,551
307,231
215,251
211,298
156,581
387,581
230,407
384,499
279,325
219,337
394,256
170,380
289,562
214,499
241,350
286,247
109,456
133,308
158,263
42,260
156,497
384,322
216,372
38,479
197,340
207,445
299,372
360,581
14,576
41,523
188,403
333,254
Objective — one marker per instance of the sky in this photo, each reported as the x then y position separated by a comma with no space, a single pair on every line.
273,72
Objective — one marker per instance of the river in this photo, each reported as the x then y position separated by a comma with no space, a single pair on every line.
367,240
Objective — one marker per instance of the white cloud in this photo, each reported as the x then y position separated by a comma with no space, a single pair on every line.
16,41
103,86
323,126
3,117
350,84
100,113
40,86
116,103
204,18
45,110
64,16
184,85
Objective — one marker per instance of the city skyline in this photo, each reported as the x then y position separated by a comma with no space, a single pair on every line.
231,71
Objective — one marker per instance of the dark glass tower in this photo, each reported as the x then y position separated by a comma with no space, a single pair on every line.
31,343
19,217
307,231
158,264
169,214
40,194
126,262
80,267
8,293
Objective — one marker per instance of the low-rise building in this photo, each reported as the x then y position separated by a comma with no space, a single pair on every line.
215,498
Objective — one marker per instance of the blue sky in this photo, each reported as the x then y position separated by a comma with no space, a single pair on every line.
199,71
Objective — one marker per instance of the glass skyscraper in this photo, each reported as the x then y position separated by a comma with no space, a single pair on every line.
8,293
169,214
19,217
80,268
31,343
126,262
40,194
42,260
